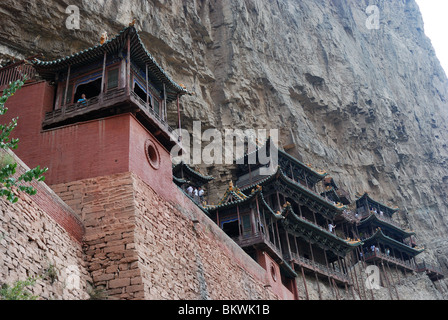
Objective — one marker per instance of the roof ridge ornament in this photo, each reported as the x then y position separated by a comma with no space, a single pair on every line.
104,38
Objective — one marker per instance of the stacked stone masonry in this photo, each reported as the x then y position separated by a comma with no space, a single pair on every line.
39,240
139,246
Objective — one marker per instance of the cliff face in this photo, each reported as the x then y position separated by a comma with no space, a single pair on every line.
367,105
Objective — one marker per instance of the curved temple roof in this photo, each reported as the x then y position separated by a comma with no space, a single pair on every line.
139,54
379,235
189,172
322,237
316,174
279,174
374,218
373,201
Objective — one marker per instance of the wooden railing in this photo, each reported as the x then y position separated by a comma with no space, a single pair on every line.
150,110
103,101
15,72
389,258
426,267
319,268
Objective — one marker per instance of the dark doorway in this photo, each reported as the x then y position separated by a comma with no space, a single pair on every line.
231,228
91,90
140,92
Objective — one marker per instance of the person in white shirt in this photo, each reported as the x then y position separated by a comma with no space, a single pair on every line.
190,191
201,193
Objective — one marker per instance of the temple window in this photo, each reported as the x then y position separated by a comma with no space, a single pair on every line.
90,89
246,224
231,227
139,91
113,78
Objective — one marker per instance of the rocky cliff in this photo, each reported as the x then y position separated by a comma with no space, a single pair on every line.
368,105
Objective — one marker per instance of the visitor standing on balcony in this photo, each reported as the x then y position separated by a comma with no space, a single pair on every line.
83,100
201,194
190,191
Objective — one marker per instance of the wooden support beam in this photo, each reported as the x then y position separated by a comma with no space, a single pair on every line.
328,276
304,282
128,67
315,272
147,85
103,79
66,89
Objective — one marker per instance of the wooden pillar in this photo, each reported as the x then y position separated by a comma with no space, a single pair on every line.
253,222
328,276
395,287
315,273
259,216
304,282
278,236
128,67
288,244
217,218
239,219
346,272
164,111
300,209
273,240
354,281
278,201
66,89
103,79
387,280
266,226
57,103
178,118
292,172
402,259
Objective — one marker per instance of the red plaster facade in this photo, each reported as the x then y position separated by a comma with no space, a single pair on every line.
95,148
107,147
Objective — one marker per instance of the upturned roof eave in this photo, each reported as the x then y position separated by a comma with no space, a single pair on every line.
377,202
111,46
380,235
373,217
289,181
324,232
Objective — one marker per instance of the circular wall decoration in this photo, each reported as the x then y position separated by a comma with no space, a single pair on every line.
152,154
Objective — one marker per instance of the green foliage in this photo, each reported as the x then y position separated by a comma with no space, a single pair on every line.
51,273
18,291
8,167
97,293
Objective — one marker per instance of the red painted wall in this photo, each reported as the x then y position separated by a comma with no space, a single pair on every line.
90,149
273,275
161,179
75,152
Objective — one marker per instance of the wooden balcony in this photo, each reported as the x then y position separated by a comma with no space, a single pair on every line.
379,256
434,273
320,269
113,102
16,71
259,240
